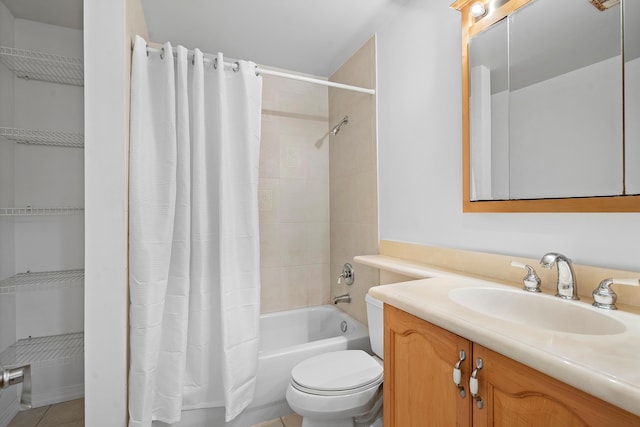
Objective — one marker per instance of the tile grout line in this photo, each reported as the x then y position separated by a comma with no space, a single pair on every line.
43,415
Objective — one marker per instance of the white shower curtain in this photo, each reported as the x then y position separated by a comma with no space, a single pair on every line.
194,272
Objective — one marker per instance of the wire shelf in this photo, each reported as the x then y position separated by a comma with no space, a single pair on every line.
42,137
44,350
29,211
42,281
46,67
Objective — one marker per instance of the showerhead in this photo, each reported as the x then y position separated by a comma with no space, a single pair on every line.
337,127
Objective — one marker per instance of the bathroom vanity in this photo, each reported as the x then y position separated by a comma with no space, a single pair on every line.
562,370
421,393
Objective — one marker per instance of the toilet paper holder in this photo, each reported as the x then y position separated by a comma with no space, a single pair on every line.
18,375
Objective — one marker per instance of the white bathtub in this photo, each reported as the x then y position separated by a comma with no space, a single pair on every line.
286,339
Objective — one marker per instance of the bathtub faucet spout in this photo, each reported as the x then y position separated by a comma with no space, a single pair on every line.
342,298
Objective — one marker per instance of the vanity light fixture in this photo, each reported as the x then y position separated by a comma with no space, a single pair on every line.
478,10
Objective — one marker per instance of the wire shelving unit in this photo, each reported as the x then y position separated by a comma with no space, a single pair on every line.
42,281
47,67
53,349
42,137
29,211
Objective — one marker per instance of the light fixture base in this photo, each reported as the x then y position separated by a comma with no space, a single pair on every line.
479,10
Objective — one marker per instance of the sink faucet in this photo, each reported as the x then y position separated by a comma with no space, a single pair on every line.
342,298
567,286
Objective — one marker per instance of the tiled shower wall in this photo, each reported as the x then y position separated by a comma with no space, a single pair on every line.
294,195
354,178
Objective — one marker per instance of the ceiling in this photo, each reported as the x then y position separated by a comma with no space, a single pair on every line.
65,13
313,37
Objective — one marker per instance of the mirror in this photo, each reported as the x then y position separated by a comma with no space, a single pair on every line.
631,11
543,106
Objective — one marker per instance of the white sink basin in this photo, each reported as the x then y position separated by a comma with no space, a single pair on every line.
537,310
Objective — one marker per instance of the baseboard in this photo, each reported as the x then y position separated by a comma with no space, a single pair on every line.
57,395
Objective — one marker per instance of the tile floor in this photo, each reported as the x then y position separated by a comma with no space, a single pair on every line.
65,414
291,420
71,414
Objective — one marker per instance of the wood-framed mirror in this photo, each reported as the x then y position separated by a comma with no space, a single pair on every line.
550,105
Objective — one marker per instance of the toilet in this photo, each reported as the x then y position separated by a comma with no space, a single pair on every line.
342,388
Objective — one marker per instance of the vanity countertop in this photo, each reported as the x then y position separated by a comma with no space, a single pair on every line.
406,268
605,366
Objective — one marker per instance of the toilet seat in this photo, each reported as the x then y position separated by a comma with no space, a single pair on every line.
337,373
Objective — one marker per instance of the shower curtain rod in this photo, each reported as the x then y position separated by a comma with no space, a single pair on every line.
265,71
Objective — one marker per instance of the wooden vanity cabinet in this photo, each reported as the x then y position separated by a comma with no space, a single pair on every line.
419,389
418,373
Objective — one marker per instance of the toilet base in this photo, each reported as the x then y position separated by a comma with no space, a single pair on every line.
309,422
372,416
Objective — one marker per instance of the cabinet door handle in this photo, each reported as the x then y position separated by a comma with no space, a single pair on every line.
457,374
473,383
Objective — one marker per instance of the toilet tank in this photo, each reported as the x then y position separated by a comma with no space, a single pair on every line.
376,324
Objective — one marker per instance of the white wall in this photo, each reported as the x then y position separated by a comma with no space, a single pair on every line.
106,130
419,77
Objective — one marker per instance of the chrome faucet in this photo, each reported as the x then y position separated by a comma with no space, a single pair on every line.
342,298
604,297
348,274
567,286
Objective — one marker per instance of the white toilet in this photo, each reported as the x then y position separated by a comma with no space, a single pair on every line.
342,388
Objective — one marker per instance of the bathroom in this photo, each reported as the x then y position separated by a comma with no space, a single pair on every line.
419,180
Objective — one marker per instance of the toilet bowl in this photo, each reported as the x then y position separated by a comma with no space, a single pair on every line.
341,388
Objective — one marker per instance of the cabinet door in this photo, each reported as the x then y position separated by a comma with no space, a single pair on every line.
418,373
514,395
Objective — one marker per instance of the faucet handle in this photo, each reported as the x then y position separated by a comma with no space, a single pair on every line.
348,274
531,280
604,297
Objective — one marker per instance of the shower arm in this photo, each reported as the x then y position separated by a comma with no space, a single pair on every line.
336,128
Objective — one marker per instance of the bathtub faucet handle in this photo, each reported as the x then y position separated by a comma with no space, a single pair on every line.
348,274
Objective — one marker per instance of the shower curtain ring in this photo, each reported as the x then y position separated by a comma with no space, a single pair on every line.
236,67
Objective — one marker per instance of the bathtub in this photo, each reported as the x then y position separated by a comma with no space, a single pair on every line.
286,339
